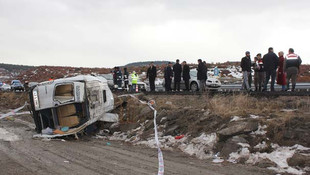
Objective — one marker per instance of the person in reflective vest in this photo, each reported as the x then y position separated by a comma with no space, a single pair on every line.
134,80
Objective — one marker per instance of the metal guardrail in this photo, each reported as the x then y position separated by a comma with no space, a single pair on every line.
237,87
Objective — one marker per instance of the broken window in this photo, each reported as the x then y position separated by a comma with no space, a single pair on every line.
104,96
64,93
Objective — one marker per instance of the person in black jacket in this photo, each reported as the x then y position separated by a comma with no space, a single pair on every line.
119,78
168,77
151,74
246,70
270,61
125,77
177,70
186,75
202,75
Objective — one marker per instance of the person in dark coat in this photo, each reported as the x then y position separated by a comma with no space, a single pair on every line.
151,75
246,70
114,76
126,78
292,66
270,61
202,75
168,77
281,75
186,75
177,70
119,78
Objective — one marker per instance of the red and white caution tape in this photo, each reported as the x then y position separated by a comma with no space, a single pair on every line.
161,167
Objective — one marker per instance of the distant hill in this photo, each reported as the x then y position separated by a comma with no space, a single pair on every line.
145,63
14,67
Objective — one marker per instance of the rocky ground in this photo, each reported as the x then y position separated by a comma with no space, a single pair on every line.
200,134
270,132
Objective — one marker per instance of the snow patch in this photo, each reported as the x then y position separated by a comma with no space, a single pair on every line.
279,156
254,116
261,146
260,130
8,136
236,118
201,146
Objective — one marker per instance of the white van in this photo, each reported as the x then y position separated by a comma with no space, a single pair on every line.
73,103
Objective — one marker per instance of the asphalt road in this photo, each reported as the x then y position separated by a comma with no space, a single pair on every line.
91,156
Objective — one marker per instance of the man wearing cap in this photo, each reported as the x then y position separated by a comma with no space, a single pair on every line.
292,63
246,70
270,61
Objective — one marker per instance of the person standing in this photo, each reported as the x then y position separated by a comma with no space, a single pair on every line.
177,70
186,75
281,75
168,77
261,72
202,75
151,75
134,81
270,61
292,64
119,78
115,77
126,77
246,70
256,73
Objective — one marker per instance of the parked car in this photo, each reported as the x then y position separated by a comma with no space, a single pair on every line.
109,78
74,103
17,85
5,87
211,83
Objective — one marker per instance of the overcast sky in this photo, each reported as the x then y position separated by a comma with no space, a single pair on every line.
105,33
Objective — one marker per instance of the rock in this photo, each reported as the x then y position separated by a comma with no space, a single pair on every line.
299,160
146,111
171,130
163,120
236,128
231,145
206,113
149,125
265,163
128,126
168,103
238,139
171,117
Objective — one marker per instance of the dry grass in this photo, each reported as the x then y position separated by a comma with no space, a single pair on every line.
242,105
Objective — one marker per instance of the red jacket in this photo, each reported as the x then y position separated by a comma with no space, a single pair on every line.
281,75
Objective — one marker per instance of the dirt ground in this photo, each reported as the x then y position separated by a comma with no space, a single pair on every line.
191,114
94,156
